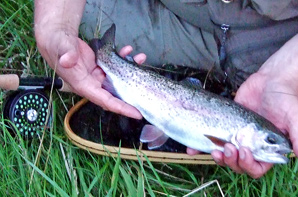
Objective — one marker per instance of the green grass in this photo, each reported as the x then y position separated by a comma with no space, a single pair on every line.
26,171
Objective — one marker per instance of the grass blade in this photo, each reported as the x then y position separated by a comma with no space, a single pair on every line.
54,184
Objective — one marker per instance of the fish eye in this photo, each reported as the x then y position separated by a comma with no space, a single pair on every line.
271,140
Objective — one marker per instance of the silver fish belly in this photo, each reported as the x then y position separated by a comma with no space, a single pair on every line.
190,116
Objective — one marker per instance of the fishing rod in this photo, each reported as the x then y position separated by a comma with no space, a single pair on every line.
28,107
14,82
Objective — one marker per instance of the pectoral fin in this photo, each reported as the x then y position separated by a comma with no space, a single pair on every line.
153,136
217,141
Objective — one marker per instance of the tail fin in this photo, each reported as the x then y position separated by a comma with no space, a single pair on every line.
108,39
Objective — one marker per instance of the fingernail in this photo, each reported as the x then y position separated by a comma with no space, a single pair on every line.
227,152
242,154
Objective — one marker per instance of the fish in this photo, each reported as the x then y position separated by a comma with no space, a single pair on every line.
191,116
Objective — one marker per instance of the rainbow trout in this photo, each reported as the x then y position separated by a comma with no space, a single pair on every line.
191,116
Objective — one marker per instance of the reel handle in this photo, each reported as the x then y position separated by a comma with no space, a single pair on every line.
13,82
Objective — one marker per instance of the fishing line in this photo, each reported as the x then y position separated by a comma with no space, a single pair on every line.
209,72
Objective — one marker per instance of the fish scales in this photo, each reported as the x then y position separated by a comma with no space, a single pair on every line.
190,116
178,99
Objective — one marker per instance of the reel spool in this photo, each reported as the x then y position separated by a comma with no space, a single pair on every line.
27,107
29,111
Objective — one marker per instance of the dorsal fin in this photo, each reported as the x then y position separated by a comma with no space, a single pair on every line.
192,82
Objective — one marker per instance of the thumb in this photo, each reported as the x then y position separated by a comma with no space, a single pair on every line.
250,92
69,59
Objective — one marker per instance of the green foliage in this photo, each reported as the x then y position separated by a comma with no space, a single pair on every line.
55,167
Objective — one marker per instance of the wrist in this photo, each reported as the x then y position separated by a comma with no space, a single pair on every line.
51,17
48,33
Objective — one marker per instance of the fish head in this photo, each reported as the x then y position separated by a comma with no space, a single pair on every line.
272,148
266,144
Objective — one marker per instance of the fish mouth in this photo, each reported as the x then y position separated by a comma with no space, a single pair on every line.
278,156
283,159
273,158
284,151
281,154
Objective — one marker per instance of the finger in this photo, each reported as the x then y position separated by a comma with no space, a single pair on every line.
140,58
231,158
191,151
69,59
118,106
248,164
125,51
293,128
111,103
250,87
103,98
293,133
98,75
218,157
294,140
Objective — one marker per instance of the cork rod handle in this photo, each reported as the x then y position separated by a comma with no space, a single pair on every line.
13,82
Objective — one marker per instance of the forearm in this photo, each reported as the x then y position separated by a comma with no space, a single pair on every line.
56,15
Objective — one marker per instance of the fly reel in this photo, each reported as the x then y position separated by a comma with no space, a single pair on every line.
27,107
29,111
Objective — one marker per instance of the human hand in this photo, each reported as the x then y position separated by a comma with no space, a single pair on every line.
74,61
272,92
